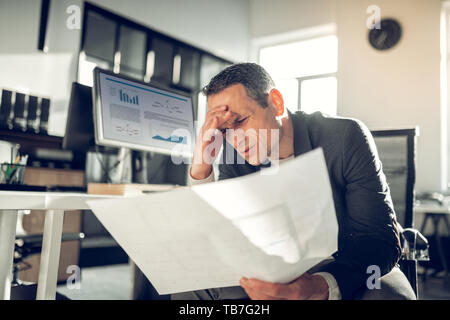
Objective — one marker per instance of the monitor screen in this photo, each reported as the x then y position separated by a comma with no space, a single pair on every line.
136,115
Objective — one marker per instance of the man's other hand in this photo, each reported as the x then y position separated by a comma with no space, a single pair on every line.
306,287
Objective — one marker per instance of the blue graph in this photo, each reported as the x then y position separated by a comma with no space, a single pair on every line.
126,98
174,139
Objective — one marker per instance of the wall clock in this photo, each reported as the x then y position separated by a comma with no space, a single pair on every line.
386,37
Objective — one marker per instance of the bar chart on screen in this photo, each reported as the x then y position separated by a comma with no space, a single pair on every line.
124,97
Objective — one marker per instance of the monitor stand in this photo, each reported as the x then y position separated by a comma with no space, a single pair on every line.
123,172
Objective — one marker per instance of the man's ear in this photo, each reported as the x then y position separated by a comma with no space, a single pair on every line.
276,98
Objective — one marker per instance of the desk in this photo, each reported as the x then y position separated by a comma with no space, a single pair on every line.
54,204
436,213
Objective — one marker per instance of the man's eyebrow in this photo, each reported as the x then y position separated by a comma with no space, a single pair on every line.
228,123
234,117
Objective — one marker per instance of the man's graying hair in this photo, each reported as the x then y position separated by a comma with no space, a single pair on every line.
256,81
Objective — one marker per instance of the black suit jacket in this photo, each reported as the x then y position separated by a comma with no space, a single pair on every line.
367,226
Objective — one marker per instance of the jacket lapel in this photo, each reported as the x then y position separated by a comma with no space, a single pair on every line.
302,142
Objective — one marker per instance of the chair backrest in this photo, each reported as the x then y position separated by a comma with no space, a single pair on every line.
396,149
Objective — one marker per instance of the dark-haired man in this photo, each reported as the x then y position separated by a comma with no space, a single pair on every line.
243,96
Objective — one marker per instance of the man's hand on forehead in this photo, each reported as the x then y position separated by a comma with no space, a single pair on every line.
226,117
230,122
223,109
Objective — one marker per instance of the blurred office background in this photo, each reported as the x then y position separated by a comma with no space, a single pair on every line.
318,52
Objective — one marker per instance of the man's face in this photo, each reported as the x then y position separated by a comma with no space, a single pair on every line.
247,120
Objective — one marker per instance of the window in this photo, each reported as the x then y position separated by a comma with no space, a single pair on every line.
318,94
305,73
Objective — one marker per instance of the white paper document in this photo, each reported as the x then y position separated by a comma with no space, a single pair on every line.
272,226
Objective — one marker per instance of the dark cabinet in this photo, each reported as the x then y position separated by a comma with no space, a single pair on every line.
189,68
133,51
163,61
146,54
100,37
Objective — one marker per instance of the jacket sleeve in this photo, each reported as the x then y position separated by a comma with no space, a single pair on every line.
226,172
368,232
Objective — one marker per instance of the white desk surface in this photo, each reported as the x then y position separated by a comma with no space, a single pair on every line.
55,203
431,208
17,200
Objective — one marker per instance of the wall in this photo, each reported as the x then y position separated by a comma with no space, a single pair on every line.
24,68
397,88
268,17
214,25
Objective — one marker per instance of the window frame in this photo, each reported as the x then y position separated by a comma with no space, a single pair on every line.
296,36
313,77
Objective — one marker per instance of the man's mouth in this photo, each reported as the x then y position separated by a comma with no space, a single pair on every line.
248,149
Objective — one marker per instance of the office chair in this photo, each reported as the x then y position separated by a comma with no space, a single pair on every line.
396,149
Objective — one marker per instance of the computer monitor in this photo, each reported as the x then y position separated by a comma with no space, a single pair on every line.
140,116
79,134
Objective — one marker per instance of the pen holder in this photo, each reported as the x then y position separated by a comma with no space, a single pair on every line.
11,173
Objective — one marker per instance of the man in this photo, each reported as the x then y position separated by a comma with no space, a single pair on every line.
243,96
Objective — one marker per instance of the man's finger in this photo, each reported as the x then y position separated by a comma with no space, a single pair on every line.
223,116
216,111
258,295
210,129
271,289
220,108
